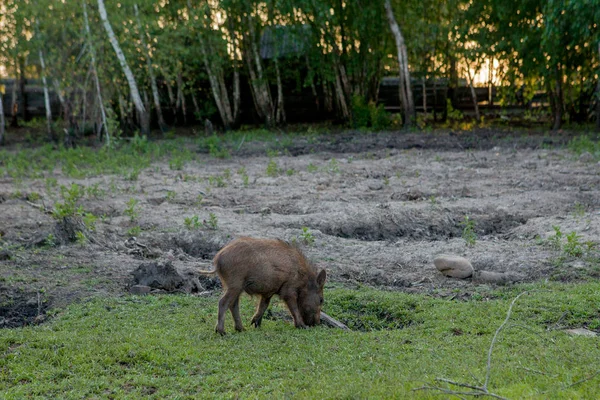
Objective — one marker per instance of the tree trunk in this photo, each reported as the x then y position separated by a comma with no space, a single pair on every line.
558,100
405,89
23,100
181,96
46,98
598,96
153,85
14,107
1,120
96,78
280,117
341,98
258,80
424,89
473,94
133,88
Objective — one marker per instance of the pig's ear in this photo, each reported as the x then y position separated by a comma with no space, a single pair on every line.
321,278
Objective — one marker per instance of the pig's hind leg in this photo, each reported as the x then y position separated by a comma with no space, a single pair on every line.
235,312
260,310
227,301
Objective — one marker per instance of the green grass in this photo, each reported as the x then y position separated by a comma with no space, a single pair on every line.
164,347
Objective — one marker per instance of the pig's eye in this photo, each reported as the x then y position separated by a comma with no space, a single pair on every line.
321,300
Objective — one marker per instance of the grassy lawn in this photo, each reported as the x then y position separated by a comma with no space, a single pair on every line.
165,347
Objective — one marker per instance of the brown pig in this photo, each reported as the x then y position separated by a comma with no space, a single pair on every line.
266,267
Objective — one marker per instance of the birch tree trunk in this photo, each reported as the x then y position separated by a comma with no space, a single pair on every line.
181,96
598,96
14,107
280,116
473,94
96,78
406,96
133,88
46,98
1,121
153,85
258,81
558,100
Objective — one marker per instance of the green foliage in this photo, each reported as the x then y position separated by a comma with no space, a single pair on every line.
306,236
80,238
131,210
468,233
272,168
245,178
134,231
212,222
89,221
569,245
69,207
215,146
585,143
366,115
192,222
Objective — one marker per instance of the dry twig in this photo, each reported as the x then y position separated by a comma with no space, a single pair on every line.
480,390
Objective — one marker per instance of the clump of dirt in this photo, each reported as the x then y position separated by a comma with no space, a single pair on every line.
165,276
19,308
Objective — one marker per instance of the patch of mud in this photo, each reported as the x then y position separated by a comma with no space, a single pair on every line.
164,276
393,222
199,244
19,308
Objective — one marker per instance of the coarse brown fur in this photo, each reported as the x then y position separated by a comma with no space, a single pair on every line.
266,267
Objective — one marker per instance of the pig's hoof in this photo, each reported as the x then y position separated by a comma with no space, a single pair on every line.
239,328
302,326
220,331
256,322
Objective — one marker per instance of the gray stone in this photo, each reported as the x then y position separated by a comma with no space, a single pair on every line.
499,278
586,157
375,185
140,290
581,332
453,266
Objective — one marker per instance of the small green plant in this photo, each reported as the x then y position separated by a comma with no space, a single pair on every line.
245,179
468,233
217,181
573,247
199,199
133,174
214,146
171,195
94,191
272,168
192,222
212,222
69,206
556,240
290,171
386,180
432,200
306,236
89,220
80,238
134,231
334,166
227,174
579,209
177,163
312,168
131,210
34,196
50,240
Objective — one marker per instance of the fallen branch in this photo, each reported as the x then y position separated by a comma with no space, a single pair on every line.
39,207
478,390
334,323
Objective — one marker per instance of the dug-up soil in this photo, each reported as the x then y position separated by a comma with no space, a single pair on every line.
372,209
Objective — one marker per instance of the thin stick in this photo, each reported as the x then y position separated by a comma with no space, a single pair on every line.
489,360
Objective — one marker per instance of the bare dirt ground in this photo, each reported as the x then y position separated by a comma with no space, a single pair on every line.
377,207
